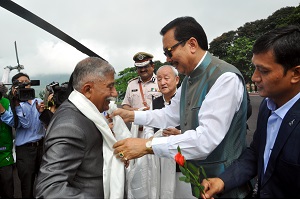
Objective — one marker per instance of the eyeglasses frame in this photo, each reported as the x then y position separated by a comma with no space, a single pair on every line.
168,51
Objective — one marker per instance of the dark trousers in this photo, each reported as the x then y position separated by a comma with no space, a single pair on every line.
6,182
29,158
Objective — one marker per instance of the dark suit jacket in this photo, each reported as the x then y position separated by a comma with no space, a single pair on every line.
72,165
282,176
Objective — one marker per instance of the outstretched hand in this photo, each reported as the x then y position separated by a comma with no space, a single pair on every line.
212,186
130,148
40,107
171,131
127,116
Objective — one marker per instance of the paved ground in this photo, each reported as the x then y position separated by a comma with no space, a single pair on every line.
255,101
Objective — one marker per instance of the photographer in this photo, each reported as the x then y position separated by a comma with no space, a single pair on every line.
55,95
29,132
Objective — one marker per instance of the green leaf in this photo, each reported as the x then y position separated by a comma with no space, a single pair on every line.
197,192
203,172
182,178
183,170
178,149
193,168
188,179
185,165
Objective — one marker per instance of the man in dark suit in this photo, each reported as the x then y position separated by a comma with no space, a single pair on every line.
74,162
274,154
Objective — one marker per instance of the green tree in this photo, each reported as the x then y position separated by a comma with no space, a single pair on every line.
239,55
42,94
235,47
122,81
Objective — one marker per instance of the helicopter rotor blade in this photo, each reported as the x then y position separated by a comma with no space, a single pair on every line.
29,16
17,54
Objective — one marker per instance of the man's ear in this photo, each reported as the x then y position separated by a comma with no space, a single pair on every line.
177,78
87,89
193,44
296,74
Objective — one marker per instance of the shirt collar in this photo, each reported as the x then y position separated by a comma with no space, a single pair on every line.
201,60
151,80
281,112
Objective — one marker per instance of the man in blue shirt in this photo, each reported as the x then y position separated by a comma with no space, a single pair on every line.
24,117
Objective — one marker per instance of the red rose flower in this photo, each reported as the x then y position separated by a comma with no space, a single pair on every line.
180,159
191,173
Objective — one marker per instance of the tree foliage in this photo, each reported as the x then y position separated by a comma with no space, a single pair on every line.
235,47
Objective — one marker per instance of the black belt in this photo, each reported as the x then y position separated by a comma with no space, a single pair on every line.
35,144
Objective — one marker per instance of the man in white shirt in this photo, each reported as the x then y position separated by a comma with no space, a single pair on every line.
210,106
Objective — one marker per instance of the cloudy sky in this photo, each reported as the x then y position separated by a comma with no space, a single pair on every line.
114,29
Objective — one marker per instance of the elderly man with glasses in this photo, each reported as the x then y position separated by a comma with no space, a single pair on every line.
210,106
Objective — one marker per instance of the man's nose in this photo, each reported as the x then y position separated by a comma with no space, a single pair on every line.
114,93
168,59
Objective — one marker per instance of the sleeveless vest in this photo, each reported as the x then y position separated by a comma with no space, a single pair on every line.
193,92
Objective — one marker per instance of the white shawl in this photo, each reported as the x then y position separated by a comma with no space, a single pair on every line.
113,183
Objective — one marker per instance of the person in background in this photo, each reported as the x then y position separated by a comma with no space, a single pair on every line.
274,154
29,133
141,90
6,147
210,107
55,95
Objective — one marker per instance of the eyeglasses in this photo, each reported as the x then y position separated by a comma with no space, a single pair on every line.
168,51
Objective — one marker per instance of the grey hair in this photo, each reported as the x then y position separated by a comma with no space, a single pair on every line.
90,69
169,66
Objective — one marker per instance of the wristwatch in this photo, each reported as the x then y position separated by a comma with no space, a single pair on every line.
149,145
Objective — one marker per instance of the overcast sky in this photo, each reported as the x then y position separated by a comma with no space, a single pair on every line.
114,29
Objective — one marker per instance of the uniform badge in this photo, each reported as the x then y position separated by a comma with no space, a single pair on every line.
134,90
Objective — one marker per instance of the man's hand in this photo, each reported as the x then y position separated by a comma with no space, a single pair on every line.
127,116
2,109
212,186
171,131
130,148
40,107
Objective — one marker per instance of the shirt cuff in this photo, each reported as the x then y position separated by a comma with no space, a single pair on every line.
140,117
160,147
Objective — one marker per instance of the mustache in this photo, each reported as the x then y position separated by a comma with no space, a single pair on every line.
110,99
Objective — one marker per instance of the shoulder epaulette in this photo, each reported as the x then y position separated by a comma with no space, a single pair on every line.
132,79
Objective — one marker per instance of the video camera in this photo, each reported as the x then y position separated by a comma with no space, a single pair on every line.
24,94
60,92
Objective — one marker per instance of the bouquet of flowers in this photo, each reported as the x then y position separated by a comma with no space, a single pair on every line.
191,173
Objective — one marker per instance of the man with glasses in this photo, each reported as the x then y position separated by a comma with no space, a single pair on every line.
210,106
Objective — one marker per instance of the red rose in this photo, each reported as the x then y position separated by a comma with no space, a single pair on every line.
179,159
